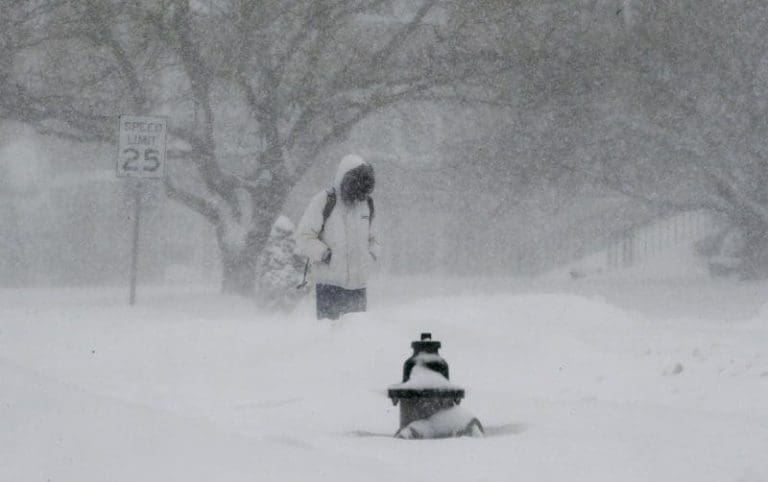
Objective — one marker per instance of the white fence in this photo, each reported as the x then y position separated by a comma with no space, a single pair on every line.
644,242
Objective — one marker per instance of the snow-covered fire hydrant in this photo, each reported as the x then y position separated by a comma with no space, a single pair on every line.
429,402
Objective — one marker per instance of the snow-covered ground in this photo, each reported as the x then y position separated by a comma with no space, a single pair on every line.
593,381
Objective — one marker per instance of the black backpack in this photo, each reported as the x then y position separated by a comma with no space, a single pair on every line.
330,203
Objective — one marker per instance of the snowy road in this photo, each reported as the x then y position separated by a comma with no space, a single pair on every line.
197,387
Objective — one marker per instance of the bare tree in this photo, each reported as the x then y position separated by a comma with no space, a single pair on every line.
693,129
660,101
255,89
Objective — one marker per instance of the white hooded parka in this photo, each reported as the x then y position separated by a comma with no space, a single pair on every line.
349,233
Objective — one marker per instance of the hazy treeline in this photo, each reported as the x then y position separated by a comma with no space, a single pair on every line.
509,123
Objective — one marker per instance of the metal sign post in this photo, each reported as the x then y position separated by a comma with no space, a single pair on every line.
141,155
137,188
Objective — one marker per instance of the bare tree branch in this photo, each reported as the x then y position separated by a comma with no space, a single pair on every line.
196,203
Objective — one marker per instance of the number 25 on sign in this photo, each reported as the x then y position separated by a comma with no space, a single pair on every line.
141,147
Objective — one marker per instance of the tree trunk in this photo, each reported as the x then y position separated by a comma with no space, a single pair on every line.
239,255
238,275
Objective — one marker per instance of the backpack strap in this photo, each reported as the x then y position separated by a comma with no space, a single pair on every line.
371,210
330,203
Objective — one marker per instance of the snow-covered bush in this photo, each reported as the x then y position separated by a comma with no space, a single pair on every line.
279,269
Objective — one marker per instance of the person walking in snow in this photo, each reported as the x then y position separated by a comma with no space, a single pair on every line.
337,234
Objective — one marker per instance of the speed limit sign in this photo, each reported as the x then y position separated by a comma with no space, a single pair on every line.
141,147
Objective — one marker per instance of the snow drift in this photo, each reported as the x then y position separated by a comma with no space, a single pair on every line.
194,386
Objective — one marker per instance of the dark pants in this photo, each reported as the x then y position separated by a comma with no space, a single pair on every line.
333,301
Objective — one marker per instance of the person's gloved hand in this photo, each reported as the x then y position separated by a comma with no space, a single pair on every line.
326,257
